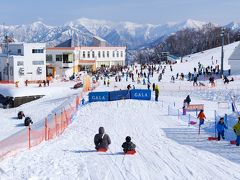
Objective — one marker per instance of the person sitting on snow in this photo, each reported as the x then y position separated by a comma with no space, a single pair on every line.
128,145
220,128
236,129
101,140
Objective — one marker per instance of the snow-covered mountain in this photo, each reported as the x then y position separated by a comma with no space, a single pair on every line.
233,26
116,33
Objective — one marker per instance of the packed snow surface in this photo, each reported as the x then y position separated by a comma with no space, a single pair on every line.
72,155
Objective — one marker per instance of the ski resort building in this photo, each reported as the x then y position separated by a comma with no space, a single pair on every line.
234,61
68,57
23,61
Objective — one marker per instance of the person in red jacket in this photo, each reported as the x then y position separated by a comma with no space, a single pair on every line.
201,117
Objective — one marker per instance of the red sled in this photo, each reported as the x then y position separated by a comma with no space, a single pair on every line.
212,138
233,142
131,152
102,150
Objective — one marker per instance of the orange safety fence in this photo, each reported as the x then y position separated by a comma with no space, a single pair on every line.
52,126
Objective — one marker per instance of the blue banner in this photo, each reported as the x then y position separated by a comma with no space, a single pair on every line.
119,95
98,96
141,94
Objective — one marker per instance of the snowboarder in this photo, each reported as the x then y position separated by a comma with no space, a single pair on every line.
128,145
101,140
236,129
220,128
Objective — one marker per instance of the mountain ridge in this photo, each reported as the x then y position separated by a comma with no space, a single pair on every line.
128,33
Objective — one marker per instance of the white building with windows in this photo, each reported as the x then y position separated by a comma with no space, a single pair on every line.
23,61
66,58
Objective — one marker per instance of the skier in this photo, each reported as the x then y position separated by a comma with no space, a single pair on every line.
201,117
236,129
156,93
220,128
101,140
128,145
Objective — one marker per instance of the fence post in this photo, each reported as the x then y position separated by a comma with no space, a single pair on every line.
174,104
61,123
215,122
178,114
46,129
55,122
29,137
196,113
189,116
168,110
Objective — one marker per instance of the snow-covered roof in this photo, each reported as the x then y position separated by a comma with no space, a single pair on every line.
20,92
99,38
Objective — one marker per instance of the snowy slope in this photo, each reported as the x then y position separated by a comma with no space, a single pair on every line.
167,148
72,155
55,95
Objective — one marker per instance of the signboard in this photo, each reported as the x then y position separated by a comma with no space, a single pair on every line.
141,94
119,95
98,96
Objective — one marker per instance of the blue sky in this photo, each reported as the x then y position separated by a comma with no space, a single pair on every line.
56,12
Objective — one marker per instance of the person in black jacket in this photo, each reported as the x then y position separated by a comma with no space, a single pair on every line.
101,140
128,145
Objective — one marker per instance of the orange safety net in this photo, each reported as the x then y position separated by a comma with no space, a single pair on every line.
53,126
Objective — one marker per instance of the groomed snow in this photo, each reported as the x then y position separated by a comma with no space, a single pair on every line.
72,155
167,148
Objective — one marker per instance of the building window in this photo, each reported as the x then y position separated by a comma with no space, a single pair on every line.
38,62
19,51
20,63
108,54
37,50
117,54
67,58
113,53
59,57
121,53
93,54
49,58
84,55
88,54
99,54
103,54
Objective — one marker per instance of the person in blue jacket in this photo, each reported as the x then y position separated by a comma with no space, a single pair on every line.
220,128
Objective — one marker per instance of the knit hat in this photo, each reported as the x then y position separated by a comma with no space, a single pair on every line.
128,139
